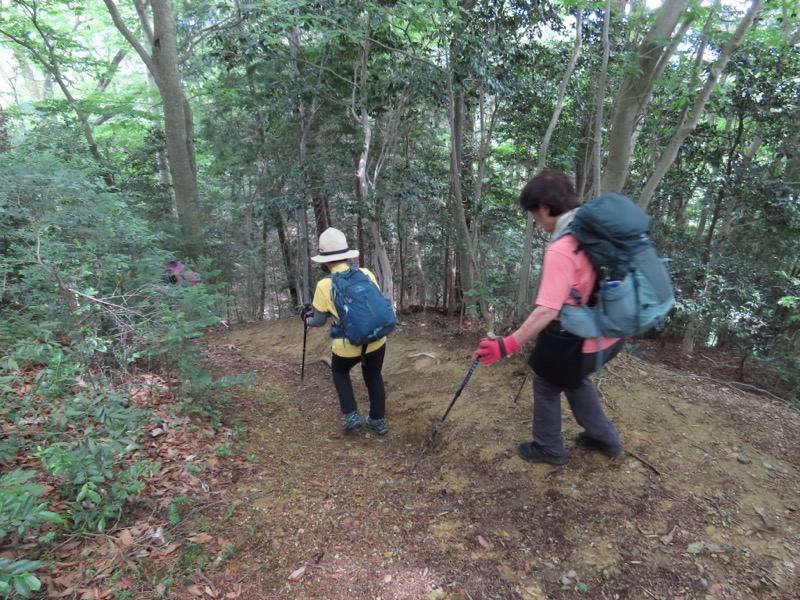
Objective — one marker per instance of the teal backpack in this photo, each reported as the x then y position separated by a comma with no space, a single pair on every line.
365,314
633,293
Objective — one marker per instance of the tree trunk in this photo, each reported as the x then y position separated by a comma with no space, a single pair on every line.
178,126
4,146
286,254
601,95
635,91
583,159
523,298
305,117
162,61
49,61
34,88
381,263
687,342
684,129
465,258
322,212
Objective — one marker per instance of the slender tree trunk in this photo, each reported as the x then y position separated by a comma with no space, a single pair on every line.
286,254
34,88
583,157
305,117
601,96
523,298
322,212
262,296
687,342
161,158
382,265
49,61
4,146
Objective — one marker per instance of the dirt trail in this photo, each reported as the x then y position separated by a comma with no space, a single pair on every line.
705,505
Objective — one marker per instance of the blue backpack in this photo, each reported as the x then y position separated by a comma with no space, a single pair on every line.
633,293
365,314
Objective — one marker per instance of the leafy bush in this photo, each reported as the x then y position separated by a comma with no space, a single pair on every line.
82,303
16,575
20,514
20,510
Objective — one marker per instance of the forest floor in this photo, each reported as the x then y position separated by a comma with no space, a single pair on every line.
705,504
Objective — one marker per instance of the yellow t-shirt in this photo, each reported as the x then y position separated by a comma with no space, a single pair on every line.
324,303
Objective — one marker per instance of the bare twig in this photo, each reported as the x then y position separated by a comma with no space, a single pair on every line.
521,385
675,409
643,461
701,449
208,582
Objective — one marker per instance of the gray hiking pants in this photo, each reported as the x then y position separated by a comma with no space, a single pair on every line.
584,403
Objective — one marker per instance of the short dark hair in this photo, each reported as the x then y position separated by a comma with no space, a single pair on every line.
549,188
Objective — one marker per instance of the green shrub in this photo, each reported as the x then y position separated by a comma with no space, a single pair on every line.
21,514
20,510
16,575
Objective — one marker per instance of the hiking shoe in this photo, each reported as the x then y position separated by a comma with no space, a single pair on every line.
351,420
533,452
377,425
590,443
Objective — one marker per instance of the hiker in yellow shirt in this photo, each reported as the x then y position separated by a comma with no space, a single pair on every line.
333,256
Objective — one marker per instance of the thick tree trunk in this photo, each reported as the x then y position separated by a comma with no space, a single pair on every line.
178,127
686,128
635,91
162,61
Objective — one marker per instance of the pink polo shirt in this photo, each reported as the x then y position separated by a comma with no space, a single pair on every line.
565,269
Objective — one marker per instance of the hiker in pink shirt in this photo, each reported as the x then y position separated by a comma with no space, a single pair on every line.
177,273
561,361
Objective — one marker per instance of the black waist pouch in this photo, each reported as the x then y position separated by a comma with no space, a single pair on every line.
557,356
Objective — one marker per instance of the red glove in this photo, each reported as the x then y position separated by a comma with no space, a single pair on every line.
493,350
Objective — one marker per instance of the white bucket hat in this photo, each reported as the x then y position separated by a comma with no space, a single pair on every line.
333,247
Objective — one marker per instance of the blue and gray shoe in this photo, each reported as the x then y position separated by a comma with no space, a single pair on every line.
377,425
351,420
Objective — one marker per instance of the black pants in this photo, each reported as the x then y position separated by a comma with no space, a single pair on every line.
371,365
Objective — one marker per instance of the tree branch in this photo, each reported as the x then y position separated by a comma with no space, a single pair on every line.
147,59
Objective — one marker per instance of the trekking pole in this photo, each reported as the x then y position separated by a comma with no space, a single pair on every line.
521,385
303,365
220,319
444,416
